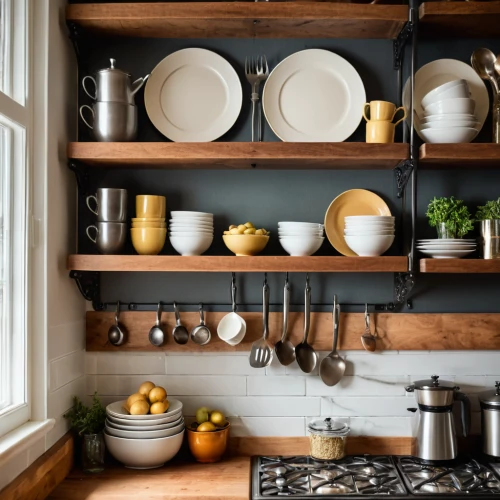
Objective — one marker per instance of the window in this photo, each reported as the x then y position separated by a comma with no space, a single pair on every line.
15,117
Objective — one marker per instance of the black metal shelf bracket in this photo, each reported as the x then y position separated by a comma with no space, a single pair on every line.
399,43
403,287
403,174
81,174
89,285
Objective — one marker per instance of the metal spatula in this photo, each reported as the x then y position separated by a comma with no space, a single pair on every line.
261,354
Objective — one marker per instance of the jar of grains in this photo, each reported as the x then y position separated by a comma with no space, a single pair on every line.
327,439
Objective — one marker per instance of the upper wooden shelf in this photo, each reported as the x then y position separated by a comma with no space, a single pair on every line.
453,156
206,263
460,19
239,155
240,19
460,266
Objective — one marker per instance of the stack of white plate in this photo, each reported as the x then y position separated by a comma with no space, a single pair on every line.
369,235
449,114
447,248
191,233
144,441
300,239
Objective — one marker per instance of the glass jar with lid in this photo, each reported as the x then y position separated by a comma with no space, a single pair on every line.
327,439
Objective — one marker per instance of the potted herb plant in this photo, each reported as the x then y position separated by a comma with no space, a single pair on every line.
89,423
450,217
488,217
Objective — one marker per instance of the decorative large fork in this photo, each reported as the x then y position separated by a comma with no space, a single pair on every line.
256,71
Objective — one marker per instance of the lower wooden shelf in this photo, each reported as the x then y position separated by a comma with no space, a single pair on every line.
459,156
460,266
206,263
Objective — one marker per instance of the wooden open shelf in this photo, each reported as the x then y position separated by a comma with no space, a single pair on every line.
206,263
240,19
460,266
460,19
239,155
454,156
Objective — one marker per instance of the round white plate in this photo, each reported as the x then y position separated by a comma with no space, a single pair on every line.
160,427
116,410
446,242
133,423
436,73
136,434
183,213
431,248
193,95
447,254
314,96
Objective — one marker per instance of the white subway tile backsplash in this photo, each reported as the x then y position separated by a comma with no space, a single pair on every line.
61,400
267,426
210,365
63,339
130,364
124,385
364,406
276,386
90,363
66,369
359,386
376,426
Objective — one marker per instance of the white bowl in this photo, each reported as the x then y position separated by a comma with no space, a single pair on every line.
190,224
116,410
300,233
451,106
192,232
450,124
457,92
300,246
447,117
192,220
144,453
369,246
369,233
356,219
448,135
191,245
137,423
184,213
135,434
301,225
159,427
435,94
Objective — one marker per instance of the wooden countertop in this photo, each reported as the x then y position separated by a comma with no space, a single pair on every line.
225,480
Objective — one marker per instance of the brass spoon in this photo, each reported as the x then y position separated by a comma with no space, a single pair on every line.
368,339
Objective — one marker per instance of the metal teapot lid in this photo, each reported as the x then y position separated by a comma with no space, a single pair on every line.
328,427
491,397
434,384
112,68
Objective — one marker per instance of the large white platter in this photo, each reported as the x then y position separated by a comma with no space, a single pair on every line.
314,96
193,95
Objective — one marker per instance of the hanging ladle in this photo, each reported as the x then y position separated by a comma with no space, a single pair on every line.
156,334
284,349
201,334
368,339
115,333
180,333
307,358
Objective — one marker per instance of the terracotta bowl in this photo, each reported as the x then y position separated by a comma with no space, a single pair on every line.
208,447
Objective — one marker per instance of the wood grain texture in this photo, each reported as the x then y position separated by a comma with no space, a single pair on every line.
44,474
216,264
460,19
394,331
239,155
240,19
455,156
460,266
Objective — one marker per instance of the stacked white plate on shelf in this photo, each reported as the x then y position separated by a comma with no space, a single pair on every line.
300,239
144,441
369,235
447,248
191,233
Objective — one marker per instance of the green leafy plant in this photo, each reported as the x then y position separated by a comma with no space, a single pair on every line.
489,211
87,420
452,213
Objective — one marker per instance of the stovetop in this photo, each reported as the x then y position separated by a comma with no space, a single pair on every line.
369,476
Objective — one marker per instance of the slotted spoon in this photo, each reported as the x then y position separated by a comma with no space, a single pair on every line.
261,354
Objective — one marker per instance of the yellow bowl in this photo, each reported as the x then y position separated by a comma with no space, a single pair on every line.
148,240
158,225
148,205
208,447
245,244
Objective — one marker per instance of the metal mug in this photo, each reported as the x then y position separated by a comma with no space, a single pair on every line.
112,121
110,205
109,237
490,238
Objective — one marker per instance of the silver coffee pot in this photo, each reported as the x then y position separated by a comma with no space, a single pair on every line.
490,420
436,437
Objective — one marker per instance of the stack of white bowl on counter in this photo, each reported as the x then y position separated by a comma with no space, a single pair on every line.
369,235
144,441
442,248
449,114
300,239
191,233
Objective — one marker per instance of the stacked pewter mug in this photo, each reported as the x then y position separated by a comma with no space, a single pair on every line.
114,114
110,232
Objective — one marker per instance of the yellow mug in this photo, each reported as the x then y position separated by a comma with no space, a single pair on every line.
148,240
382,111
150,206
380,132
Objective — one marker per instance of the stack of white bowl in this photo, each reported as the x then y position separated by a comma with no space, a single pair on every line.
449,114
191,233
144,441
300,239
369,235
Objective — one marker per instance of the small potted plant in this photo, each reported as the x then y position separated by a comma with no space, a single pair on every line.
89,424
450,217
488,217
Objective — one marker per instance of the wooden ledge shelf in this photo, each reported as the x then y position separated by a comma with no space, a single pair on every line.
239,155
460,266
456,156
240,19
214,264
460,19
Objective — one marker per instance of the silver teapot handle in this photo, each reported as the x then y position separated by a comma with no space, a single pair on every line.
94,97
82,117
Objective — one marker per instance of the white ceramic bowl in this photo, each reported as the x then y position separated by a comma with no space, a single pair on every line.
451,106
368,233
448,135
301,246
184,213
319,234
356,219
451,124
190,224
134,434
159,427
232,328
191,245
116,410
369,246
191,220
193,232
435,94
457,92
144,453
137,423
289,224
455,117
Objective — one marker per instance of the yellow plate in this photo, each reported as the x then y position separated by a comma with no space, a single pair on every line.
352,202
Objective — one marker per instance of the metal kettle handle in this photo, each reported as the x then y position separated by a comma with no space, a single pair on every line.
465,402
